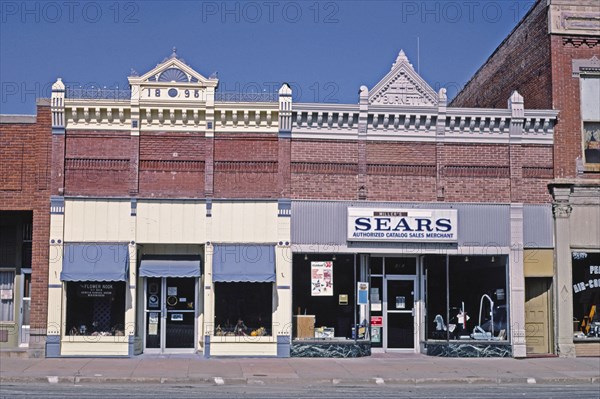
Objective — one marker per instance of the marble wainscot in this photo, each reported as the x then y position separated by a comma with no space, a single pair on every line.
330,348
468,349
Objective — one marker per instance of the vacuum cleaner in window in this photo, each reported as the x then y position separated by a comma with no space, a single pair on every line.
495,327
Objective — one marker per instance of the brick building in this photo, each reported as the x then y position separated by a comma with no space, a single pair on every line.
24,230
552,58
182,219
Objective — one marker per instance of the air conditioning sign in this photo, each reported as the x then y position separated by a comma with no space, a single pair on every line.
402,225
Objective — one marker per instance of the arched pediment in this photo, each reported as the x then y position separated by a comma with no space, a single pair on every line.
403,86
172,70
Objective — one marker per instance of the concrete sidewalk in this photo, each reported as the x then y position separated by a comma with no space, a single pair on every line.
377,369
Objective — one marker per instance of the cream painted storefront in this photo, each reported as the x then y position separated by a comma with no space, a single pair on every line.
84,231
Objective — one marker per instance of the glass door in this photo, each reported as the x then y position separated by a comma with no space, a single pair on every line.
180,312
25,306
399,314
170,313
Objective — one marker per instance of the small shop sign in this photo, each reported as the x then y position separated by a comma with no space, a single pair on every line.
402,225
95,290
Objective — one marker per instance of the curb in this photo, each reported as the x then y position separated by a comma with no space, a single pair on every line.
287,381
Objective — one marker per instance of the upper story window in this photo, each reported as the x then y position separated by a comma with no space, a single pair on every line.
588,72
590,116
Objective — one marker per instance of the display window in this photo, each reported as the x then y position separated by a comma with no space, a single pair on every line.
243,309
96,308
7,288
586,295
324,296
466,298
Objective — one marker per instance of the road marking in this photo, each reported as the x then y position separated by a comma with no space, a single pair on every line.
53,379
219,381
379,381
531,381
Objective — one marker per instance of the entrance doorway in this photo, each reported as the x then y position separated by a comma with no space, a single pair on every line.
538,319
171,313
399,312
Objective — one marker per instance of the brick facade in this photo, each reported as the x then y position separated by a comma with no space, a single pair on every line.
539,65
521,62
176,165
25,156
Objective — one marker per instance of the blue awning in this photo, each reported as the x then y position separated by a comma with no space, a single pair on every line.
170,266
95,262
244,263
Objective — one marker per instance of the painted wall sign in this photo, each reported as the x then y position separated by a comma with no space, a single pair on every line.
417,225
95,290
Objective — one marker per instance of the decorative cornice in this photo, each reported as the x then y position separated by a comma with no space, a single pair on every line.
57,205
580,41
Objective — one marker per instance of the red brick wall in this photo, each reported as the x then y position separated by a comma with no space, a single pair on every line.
566,98
172,165
400,153
25,156
246,165
409,171
324,151
401,188
522,62
324,169
97,163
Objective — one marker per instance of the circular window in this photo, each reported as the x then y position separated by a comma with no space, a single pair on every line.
172,92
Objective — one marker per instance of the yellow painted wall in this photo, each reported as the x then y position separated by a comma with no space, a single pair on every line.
538,262
171,222
94,346
97,220
244,222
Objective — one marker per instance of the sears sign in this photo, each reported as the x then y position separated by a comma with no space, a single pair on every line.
423,225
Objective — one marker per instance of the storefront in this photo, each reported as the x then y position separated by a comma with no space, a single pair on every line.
439,282
577,263
166,288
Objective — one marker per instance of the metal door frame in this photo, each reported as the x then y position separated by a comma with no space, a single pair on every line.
413,311
163,319
21,327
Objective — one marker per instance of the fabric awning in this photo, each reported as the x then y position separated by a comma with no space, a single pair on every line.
244,263
95,262
170,266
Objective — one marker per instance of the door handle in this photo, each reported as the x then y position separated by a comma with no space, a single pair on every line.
413,311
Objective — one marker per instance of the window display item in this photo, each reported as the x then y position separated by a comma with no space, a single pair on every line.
324,332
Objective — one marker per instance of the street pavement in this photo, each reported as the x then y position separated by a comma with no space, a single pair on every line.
378,369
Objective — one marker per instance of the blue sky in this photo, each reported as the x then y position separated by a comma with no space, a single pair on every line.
325,49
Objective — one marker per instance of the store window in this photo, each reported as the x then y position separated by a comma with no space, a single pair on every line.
96,308
324,297
243,309
7,295
586,295
466,298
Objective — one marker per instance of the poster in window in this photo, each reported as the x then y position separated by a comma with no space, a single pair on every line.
153,301
363,293
153,323
321,278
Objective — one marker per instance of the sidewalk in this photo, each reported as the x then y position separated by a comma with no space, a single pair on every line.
377,369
